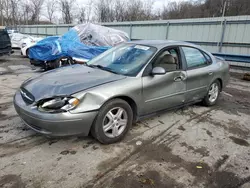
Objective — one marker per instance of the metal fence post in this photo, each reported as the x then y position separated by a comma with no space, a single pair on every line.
222,35
46,30
167,30
130,31
30,30
37,31
56,29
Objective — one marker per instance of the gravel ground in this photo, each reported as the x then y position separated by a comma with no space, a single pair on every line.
191,147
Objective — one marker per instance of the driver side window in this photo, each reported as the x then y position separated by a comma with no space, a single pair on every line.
168,59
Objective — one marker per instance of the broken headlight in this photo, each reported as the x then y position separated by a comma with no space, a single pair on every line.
58,104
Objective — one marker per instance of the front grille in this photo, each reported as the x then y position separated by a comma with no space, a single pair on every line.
27,96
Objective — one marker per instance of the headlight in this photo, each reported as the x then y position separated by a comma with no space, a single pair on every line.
23,45
58,104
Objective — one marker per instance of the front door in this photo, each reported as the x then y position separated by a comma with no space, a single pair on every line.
168,90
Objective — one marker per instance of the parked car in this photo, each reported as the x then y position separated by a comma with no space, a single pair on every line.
20,40
84,41
11,32
5,44
16,39
27,43
120,86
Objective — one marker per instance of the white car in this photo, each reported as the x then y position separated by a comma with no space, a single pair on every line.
17,39
11,32
27,43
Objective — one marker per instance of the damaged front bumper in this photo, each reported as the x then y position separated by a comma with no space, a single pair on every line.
54,124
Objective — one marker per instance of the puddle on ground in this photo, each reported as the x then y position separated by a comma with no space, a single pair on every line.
239,141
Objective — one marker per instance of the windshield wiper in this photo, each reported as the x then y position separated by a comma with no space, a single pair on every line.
102,68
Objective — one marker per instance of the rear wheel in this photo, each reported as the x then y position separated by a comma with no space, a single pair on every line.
112,122
213,94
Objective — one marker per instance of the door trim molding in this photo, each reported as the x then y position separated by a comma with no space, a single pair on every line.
166,96
179,93
196,89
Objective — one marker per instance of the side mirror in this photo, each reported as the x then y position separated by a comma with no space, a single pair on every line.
158,71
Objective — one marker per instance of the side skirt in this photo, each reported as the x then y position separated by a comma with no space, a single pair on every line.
139,118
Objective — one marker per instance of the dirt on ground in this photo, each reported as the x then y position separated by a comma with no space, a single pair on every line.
195,146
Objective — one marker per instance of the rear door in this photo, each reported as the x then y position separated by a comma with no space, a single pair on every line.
198,73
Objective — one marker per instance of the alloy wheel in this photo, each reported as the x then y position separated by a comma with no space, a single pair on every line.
213,92
115,122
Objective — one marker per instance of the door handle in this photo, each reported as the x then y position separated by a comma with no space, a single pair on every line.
210,73
178,78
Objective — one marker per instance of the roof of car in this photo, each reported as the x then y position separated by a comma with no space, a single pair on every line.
161,43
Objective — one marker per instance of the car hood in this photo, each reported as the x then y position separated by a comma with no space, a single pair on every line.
67,80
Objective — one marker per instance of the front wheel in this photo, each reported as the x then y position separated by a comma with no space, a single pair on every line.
112,122
213,94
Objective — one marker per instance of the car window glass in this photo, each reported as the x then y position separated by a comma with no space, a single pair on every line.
126,59
194,57
208,58
168,60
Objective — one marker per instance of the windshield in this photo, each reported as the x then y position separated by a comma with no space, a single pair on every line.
125,59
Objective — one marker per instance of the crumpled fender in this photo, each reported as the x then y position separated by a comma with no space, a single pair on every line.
90,101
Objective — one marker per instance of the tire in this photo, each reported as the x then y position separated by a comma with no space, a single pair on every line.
27,52
210,100
117,126
62,62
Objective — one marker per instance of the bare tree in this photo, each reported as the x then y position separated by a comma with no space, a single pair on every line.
13,4
36,6
81,15
6,11
104,10
139,10
1,9
120,10
51,8
15,12
66,7
25,12
88,10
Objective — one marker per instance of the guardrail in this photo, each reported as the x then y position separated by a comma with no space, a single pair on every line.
233,57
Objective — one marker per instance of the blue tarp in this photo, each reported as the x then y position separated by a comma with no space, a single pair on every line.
52,48
83,41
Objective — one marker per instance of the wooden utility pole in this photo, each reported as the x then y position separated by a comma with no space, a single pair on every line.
1,1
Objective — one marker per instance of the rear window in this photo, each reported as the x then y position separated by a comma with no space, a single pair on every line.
194,57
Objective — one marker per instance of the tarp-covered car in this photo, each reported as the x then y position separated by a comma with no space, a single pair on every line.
84,41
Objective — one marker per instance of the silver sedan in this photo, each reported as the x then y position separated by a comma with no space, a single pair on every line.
122,85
